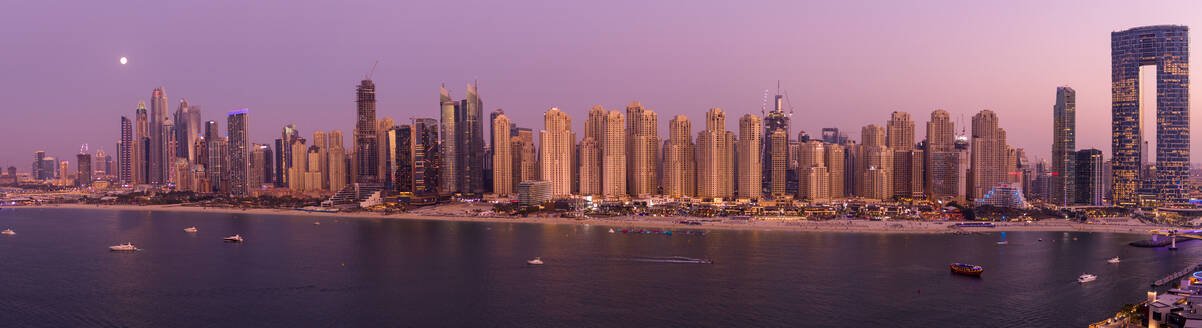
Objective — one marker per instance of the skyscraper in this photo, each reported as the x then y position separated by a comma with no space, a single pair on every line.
1089,169
613,153
125,152
558,143
590,171
940,175
834,167
141,149
215,168
283,152
907,161
158,140
1064,136
335,162
83,173
322,141
238,148
642,145
751,139
367,147
502,156
679,163
525,156
185,130
988,162
448,111
777,119
778,150
714,171
812,174
386,156
470,142
1167,47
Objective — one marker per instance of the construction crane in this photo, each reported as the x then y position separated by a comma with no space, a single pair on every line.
373,70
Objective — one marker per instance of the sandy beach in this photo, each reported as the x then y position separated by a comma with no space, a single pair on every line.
670,223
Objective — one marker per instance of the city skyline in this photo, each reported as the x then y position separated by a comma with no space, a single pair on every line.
318,101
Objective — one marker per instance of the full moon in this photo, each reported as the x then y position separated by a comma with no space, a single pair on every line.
123,60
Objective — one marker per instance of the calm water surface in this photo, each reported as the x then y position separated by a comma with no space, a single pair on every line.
58,272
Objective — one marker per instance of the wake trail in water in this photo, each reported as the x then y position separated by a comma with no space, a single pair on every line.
669,259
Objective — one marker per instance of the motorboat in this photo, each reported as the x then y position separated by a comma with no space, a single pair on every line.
611,230
8,232
190,229
126,247
1085,277
1004,242
967,269
233,239
1113,260
316,223
535,261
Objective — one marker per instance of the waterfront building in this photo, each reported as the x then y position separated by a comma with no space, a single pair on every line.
237,164
141,146
613,152
774,120
556,152
260,157
321,140
367,146
125,149
296,176
215,170
940,142
988,156
386,153
283,153
1004,195
594,127
642,145
679,159
525,161
448,112
502,156
1089,168
944,174
1166,47
907,161
590,172
813,177
1064,126
187,129
83,172
877,168
778,144
751,139
714,157
834,158
534,192
158,140
470,142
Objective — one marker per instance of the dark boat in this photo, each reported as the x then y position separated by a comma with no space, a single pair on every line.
967,269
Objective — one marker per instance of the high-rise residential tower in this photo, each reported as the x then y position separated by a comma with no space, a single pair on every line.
1064,144
1089,168
367,146
939,170
988,158
557,148
1166,47
448,111
679,163
238,150
157,157
469,141
613,153
778,145
751,139
714,157
502,156
642,145
125,152
83,173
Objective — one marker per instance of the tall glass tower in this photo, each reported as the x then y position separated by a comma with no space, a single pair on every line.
1166,47
366,146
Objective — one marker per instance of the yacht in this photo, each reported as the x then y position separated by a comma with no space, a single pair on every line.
535,261
1004,242
1084,278
234,239
316,223
190,229
1113,260
126,247
7,232
611,230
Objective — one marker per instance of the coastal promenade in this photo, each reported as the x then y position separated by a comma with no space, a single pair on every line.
480,213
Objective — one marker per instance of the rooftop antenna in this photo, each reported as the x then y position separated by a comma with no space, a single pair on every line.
373,70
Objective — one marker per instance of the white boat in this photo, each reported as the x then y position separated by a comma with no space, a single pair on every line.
7,232
1113,260
190,229
535,261
234,239
1084,278
316,223
611,230
1004,242
126,247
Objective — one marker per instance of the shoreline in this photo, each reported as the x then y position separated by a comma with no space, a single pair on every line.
838,226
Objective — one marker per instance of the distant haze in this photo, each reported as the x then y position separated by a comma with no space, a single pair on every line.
843,63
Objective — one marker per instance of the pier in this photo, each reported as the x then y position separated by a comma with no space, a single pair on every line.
1176,275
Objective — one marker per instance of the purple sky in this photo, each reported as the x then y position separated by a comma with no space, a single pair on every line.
844,63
